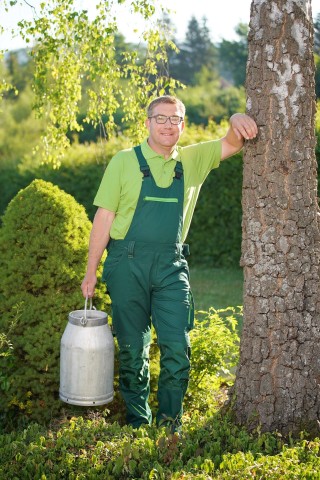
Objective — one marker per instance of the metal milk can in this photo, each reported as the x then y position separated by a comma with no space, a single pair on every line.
87,359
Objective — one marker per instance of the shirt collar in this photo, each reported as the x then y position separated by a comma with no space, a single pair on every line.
148,152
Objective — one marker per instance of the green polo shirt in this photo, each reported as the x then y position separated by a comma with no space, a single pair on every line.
120,186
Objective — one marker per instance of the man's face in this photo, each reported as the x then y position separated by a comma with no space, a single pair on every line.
164,135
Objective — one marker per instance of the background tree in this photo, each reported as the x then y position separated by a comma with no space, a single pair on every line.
277,384
233,56
316,49
316,26
317,74
196,52
20,69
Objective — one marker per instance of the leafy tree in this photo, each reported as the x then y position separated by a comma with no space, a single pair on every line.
69,47
233,56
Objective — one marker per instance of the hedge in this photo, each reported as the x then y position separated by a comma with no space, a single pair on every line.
215,232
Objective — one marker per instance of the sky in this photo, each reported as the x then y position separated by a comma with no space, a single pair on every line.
222,17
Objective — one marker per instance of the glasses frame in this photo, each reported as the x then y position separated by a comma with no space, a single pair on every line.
167,118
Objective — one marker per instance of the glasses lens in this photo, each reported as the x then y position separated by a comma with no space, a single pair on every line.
161,118
175,120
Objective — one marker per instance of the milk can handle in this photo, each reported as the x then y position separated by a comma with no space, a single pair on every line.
84,320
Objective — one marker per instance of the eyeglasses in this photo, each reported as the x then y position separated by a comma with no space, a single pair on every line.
162,119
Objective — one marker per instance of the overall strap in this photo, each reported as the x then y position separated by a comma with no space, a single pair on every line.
178,170
144,167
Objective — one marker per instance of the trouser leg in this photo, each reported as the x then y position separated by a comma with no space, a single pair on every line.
173,380
132,327
172,316
134,383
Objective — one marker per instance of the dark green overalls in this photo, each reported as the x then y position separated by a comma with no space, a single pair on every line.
148,278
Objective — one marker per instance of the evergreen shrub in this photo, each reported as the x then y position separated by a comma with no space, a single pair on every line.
43,253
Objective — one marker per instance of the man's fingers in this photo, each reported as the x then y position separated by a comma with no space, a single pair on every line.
87,289
244,126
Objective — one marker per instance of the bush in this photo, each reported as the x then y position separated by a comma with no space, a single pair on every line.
43,249
79,175
215,345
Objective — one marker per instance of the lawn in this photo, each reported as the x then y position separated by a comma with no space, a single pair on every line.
216,287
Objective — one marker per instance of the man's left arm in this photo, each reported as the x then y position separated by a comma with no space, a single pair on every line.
242,127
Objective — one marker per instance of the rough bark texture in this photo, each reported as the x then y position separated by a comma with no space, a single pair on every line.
277,383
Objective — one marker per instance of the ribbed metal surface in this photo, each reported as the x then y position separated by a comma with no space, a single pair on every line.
87,360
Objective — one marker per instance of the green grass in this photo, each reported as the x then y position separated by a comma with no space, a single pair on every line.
216,287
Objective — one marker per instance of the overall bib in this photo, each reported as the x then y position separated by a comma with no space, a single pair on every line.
148,280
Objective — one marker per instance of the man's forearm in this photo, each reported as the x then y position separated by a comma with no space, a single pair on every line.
99,237
98,242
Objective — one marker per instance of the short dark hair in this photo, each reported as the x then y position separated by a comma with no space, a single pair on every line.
166,99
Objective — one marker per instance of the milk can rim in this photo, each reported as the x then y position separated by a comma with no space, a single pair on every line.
93,317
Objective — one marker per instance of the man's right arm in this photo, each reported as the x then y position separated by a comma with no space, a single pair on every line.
99,238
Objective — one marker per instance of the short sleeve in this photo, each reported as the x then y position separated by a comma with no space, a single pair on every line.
108,194
201,158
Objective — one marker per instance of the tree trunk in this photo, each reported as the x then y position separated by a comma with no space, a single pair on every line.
277,382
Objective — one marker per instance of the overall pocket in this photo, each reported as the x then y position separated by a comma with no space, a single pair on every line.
113,259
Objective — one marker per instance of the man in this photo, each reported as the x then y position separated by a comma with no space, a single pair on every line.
146,200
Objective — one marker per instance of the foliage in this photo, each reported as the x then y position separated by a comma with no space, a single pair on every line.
215,353
211,447
210,100
79,175
218,209
20,70
93,445
69,47
5,85
215,344
7,359
19,129
233,56
43,249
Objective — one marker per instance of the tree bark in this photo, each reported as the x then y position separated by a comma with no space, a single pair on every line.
277,382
